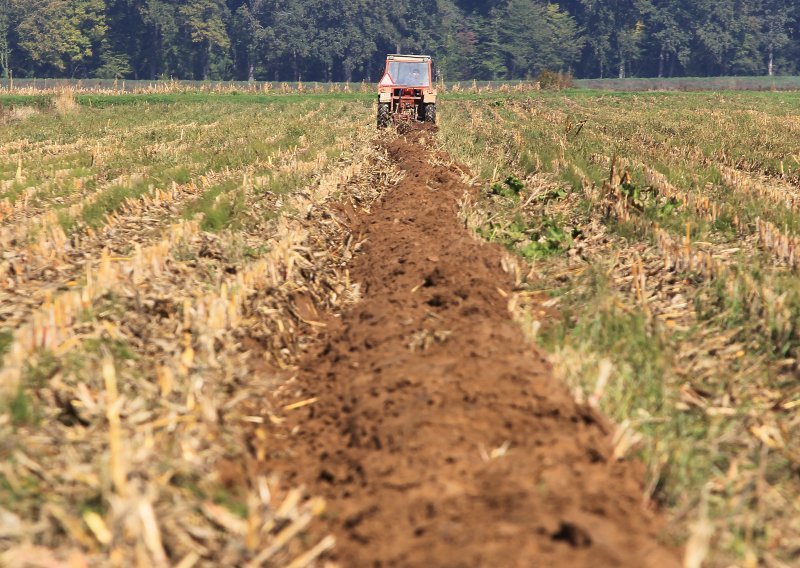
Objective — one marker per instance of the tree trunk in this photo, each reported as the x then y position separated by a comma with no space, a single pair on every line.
770,65
236,64
251,73
347,70
661,64
4,64
622,68
5,48
155,53
206,60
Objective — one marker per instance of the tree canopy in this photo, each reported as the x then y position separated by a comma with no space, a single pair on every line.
338,40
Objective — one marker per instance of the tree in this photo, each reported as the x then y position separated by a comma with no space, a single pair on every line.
205,21
285,37
716,32
671,32
160,37
115,65
630,32
344,35
348,40
246,35
599,41
5,41
537,36
776,19
748,57
61,35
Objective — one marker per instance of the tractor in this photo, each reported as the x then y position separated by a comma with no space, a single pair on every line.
406,92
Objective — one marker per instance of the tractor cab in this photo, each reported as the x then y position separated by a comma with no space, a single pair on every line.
409,74
406,91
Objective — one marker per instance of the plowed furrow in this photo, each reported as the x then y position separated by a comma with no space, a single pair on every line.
438,435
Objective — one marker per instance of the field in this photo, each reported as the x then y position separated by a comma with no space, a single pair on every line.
248,329
784,83
110,86
664,229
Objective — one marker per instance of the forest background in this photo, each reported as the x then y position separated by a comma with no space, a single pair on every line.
346,40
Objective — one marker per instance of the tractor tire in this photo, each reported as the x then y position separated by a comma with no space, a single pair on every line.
430,113
384,117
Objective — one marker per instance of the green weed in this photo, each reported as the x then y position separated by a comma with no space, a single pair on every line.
20,408
6,338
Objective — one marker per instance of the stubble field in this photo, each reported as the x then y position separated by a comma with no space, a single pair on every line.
251,330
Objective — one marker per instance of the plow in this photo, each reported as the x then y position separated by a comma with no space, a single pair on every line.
406,92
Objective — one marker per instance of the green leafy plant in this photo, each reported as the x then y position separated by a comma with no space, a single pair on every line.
549,238
511,187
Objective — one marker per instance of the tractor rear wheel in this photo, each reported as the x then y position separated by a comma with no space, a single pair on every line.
430,113
383,115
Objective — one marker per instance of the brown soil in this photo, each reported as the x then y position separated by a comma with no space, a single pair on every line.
424,384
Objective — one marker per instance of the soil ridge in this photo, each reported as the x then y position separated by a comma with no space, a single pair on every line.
439,436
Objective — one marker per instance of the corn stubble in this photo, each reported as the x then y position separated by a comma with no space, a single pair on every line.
136,341
154,270
677,293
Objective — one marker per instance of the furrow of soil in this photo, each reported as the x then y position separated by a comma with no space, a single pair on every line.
438,435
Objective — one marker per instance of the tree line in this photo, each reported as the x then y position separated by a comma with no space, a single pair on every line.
346,40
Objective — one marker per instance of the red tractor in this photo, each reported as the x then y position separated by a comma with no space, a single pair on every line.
406,92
